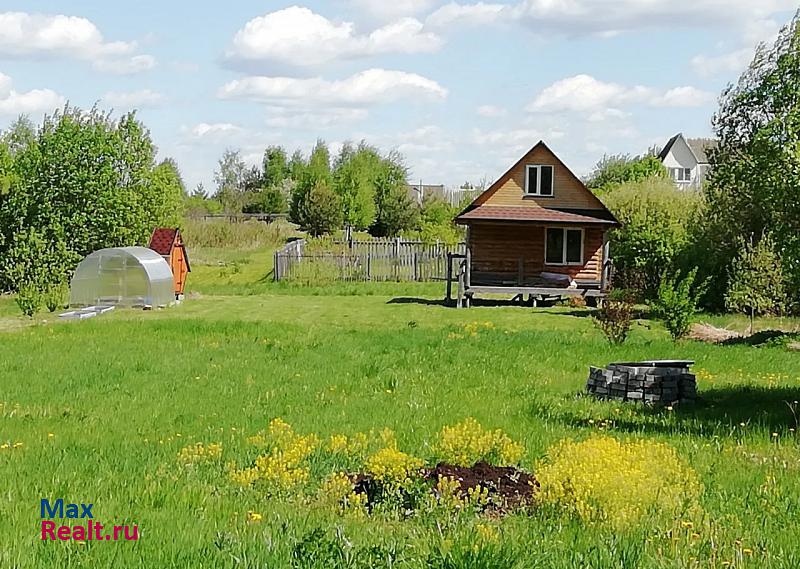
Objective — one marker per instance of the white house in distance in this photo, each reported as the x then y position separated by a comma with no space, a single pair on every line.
686,160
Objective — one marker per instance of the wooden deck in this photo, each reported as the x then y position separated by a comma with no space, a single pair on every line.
470,283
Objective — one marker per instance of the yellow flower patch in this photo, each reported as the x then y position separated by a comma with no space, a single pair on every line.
604,480
468,442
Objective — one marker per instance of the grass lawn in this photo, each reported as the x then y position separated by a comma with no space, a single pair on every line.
103,407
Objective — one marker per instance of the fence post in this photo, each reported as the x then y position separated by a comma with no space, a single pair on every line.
416,275
276,270
449,296
369,266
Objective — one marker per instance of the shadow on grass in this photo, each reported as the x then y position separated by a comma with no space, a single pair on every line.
762,338
718,412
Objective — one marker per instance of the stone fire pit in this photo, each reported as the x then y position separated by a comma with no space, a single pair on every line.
659,382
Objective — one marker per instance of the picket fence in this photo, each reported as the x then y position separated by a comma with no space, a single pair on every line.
364,260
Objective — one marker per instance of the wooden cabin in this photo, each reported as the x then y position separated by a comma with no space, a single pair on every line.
168,243
537,231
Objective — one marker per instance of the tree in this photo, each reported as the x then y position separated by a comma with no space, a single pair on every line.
322,211
756,282
615,170
754,183
354,175
82,182
276,167
394,211
232,178
267,200
317,170
168,194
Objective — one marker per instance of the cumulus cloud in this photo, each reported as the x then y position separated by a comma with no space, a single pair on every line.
299,37
312,119
133,99
214,130
466,14
56,36
384,10
366,88
603,16
585,94
13,102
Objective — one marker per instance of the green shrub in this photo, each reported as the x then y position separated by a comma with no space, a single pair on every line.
29,299
615,316
676,304
656,229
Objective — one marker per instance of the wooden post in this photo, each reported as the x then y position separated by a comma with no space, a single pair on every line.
604,276
460,298
468,270
369,266
449,296
276,270
520,271
416,268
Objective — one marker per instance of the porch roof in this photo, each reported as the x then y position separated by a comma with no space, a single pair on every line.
536,214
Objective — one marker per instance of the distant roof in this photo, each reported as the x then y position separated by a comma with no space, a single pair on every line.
162,240
545,215
698,146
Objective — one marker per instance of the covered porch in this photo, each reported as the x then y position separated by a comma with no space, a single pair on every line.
541,260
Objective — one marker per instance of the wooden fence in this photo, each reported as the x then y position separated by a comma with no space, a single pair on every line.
364,260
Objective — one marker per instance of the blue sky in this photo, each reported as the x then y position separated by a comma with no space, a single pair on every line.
462,89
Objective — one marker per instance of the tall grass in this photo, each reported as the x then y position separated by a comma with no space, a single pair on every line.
247,235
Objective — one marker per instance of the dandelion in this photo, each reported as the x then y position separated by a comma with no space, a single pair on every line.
254,517
17,445
747,551
50,435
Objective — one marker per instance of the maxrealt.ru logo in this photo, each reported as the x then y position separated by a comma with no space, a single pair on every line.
90,530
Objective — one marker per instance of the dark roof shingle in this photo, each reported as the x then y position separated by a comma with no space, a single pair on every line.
540,214
162,240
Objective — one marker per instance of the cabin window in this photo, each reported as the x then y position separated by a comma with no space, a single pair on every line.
539,180
563,246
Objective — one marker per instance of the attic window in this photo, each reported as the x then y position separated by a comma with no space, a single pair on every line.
539,180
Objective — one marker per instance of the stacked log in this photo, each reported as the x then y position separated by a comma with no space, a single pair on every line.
654,382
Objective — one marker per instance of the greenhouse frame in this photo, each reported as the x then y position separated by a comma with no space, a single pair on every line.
122,276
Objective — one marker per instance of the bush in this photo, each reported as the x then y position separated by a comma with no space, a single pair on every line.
603,480
322,212
615,316
656,229
29,299
677,302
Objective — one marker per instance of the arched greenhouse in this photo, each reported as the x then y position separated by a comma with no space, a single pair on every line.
122,276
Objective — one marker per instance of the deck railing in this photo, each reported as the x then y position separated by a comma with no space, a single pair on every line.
365,260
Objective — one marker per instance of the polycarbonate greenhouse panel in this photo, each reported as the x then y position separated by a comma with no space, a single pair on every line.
122,276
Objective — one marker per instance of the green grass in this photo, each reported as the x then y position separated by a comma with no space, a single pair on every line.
123,393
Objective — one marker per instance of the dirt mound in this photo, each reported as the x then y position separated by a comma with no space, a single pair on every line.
507,485
707,333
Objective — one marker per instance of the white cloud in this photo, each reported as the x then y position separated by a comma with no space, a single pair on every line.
126,66
733,62
214,130
133,99
282,117
491,111
603,16
682,97
585,94
56,36
13,102
368,87
384,10
479,14
299,37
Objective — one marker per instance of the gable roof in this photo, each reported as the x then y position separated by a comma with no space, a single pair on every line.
699,147
477,210
163,239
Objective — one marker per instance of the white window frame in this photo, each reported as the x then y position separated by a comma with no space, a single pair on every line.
564,250
538,188
682,175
